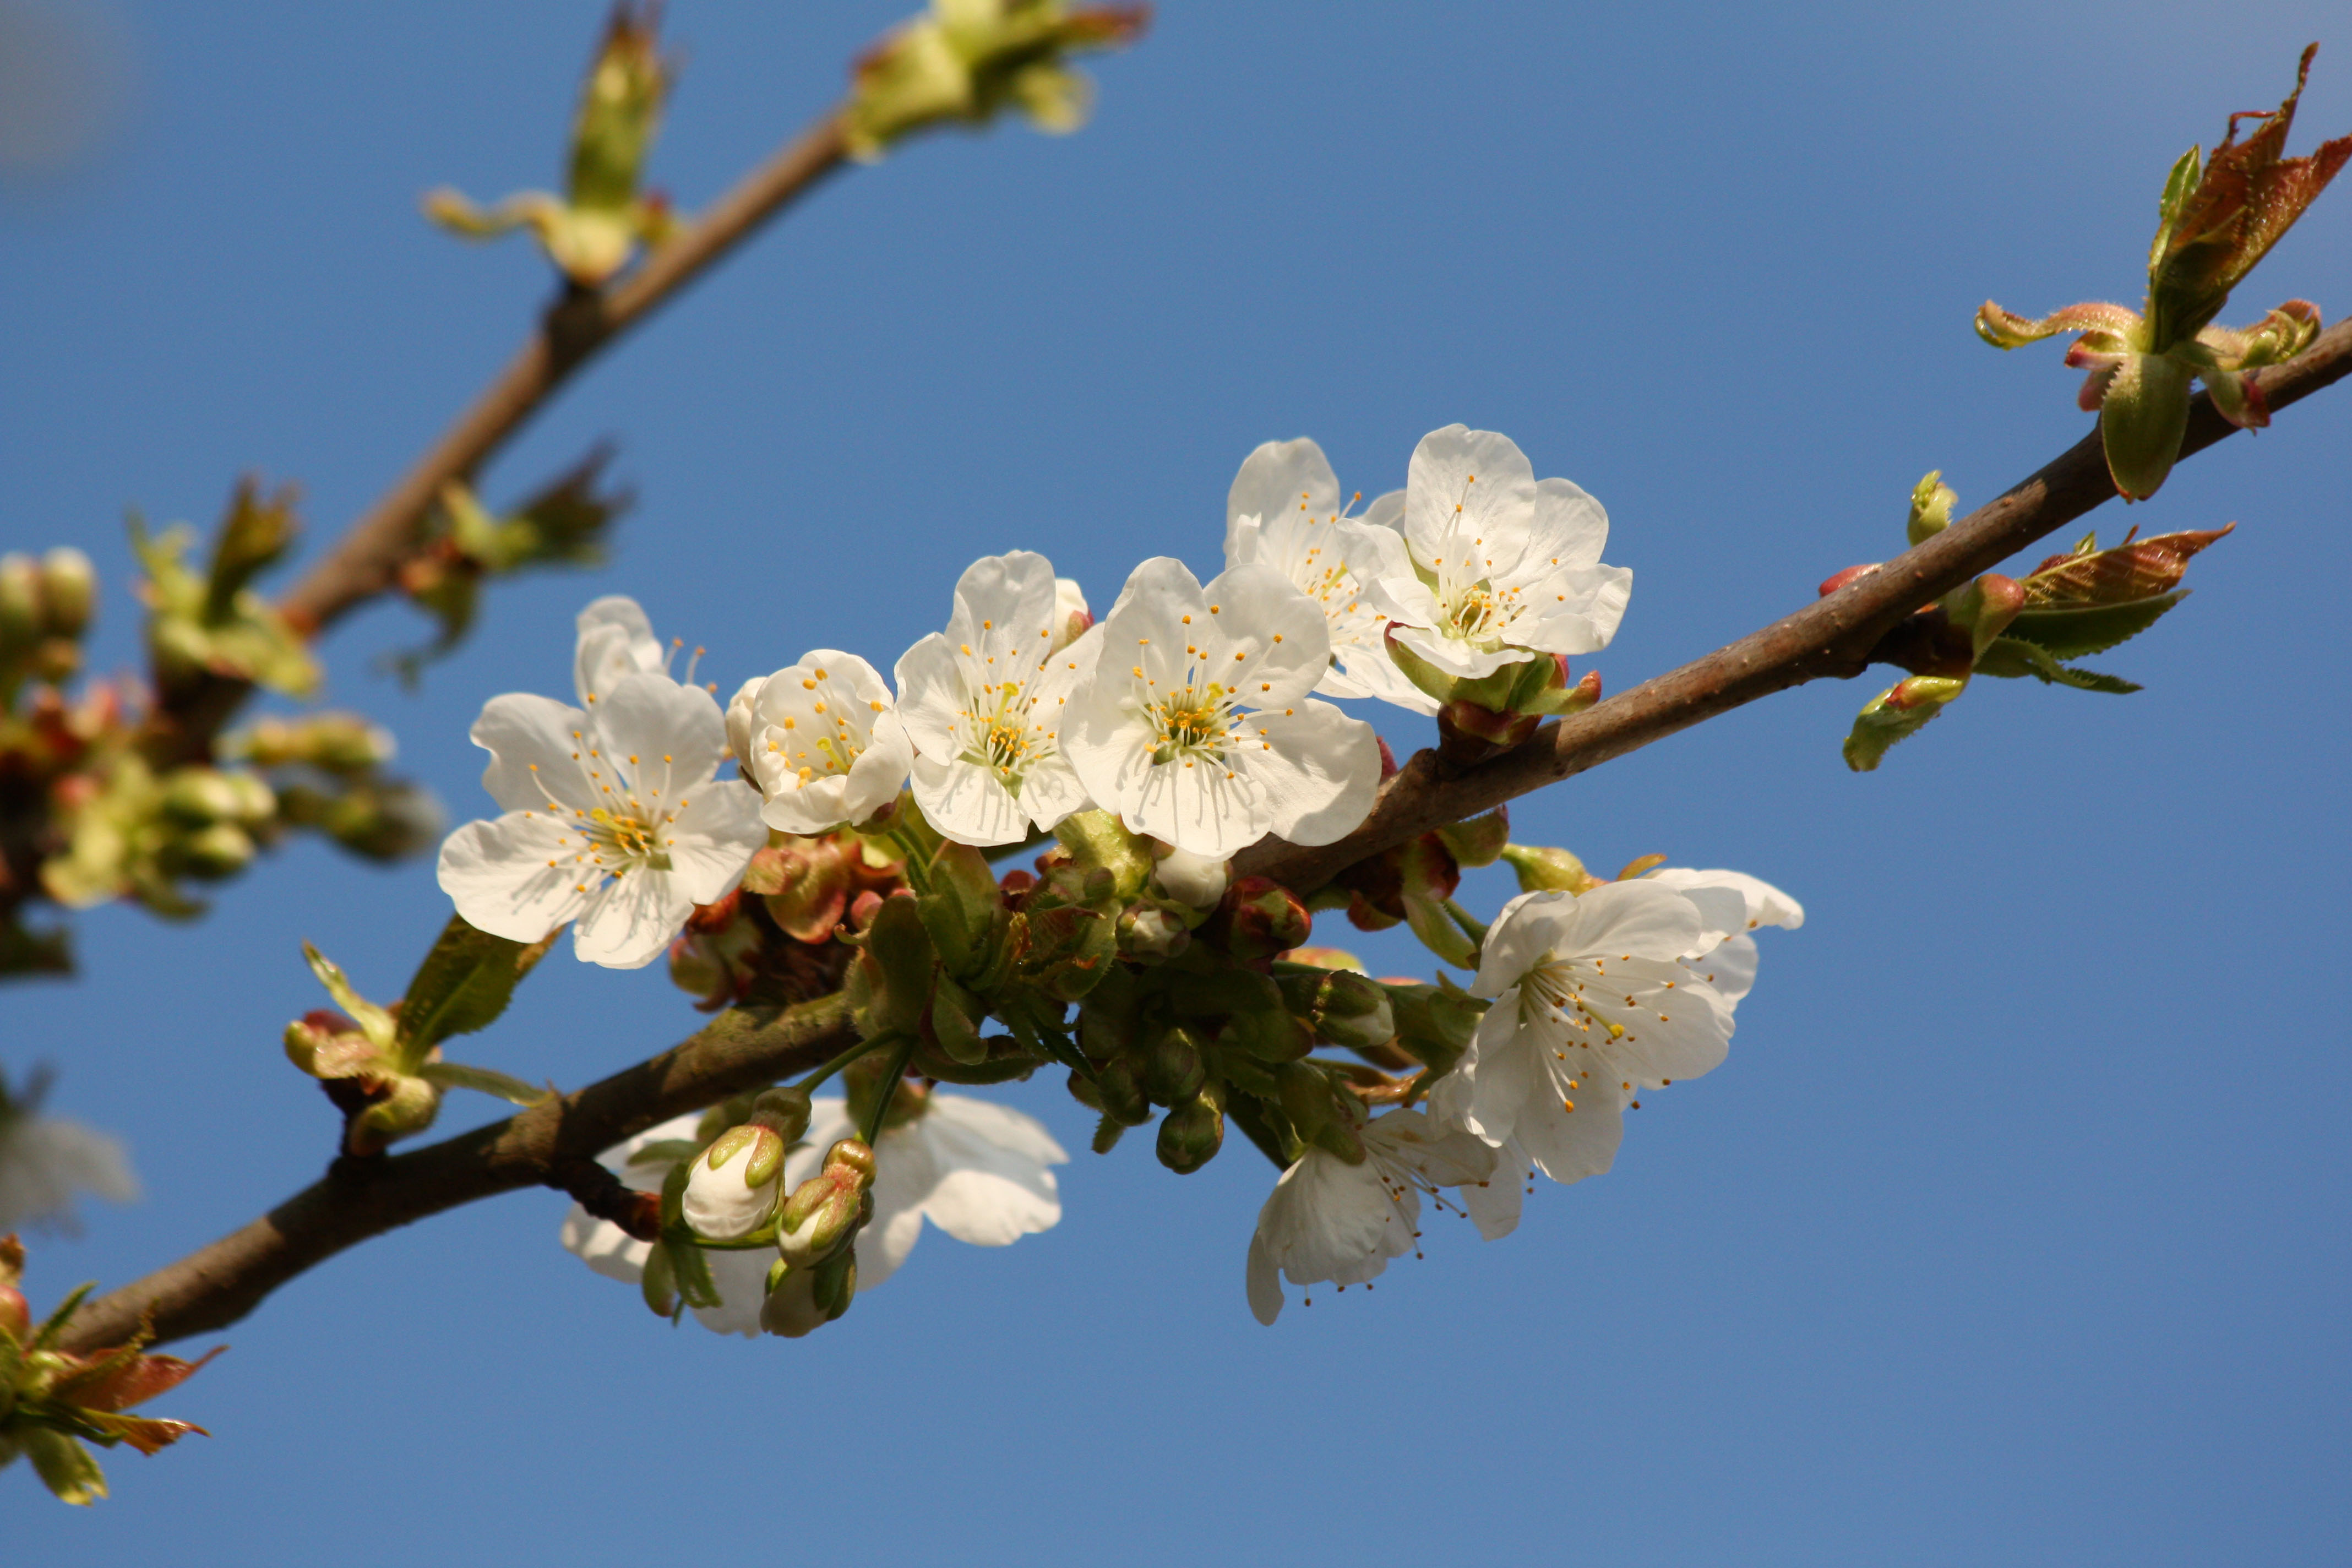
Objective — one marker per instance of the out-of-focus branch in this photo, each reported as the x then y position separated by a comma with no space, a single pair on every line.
544,1146
550,1144
1836,635
578,324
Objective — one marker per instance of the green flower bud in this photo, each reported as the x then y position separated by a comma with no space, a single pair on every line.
211,853
1544,870
803,1298
1097,840
20,601
68,592
1122,1097
1931,507
784,1111
255,803
1172,1071
1192,1132
198,798
1901,710
825,1209
1342,1008
1435,1023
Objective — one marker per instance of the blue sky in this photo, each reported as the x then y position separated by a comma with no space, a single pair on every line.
2013,1229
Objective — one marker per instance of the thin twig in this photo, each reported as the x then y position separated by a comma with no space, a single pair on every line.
366,560
738,1050
1831,637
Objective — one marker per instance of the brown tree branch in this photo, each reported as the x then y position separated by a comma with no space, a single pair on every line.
548,1144
1837,635
543,1146
578,324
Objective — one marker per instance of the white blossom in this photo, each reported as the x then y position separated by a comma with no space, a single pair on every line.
1194,723
615,639
983,703
1595,998
1326,1219
614,817
741,1275
1194,879
1500,566
1285,511
826,744
977,1170
45,1160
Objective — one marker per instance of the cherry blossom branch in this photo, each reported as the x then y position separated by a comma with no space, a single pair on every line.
552,1145
579,323
1837,635
555,1144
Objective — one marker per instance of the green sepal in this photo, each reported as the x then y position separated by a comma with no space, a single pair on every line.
374,1021
1479,840
1438,932
2072,631
955,1024
658,1283
689,1268
2012,657
1108,1132
484,1080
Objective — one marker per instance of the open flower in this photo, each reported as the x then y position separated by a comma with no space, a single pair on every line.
983,701
1285,511
614,818
1194,723
45,1160
1502,568
1328,1219
826,744
977,1170
1596,997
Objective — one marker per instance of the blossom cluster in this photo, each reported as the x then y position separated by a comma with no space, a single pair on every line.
832,809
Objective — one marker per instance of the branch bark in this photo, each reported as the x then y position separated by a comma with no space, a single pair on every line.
577,325
543,1146
1836,635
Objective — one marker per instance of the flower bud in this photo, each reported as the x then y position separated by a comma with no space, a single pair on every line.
1343,1009
743,722
784,1110
803,1298
1480,839
1189,879
1544,870
1901,710
68,592
1150,931
731,1188
826,1208
20,601
15,1314
1264,918
1192,1132
1172,1071
1435,1023
1931,507
1071,617
198,798
213,853
1097,840
254,803
401,1107
339,743
1121,1097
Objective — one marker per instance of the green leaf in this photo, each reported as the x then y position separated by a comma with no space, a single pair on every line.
484,1081
2072,631
65,1467
464,984
2009,659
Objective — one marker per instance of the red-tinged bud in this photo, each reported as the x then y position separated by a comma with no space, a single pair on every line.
823,1211
1388,759
1262,918
15,1314
1467,735
863,909
1014,883
1832,584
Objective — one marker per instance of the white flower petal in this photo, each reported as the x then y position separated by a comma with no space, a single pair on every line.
1320,771
523,733
615,639
1279,479
517,876
716,832
1468,488
631,922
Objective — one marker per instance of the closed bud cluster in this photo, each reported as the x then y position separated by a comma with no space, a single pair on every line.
44,608
213,624
331,742
1262,918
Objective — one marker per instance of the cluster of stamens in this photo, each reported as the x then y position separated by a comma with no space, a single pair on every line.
629,831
